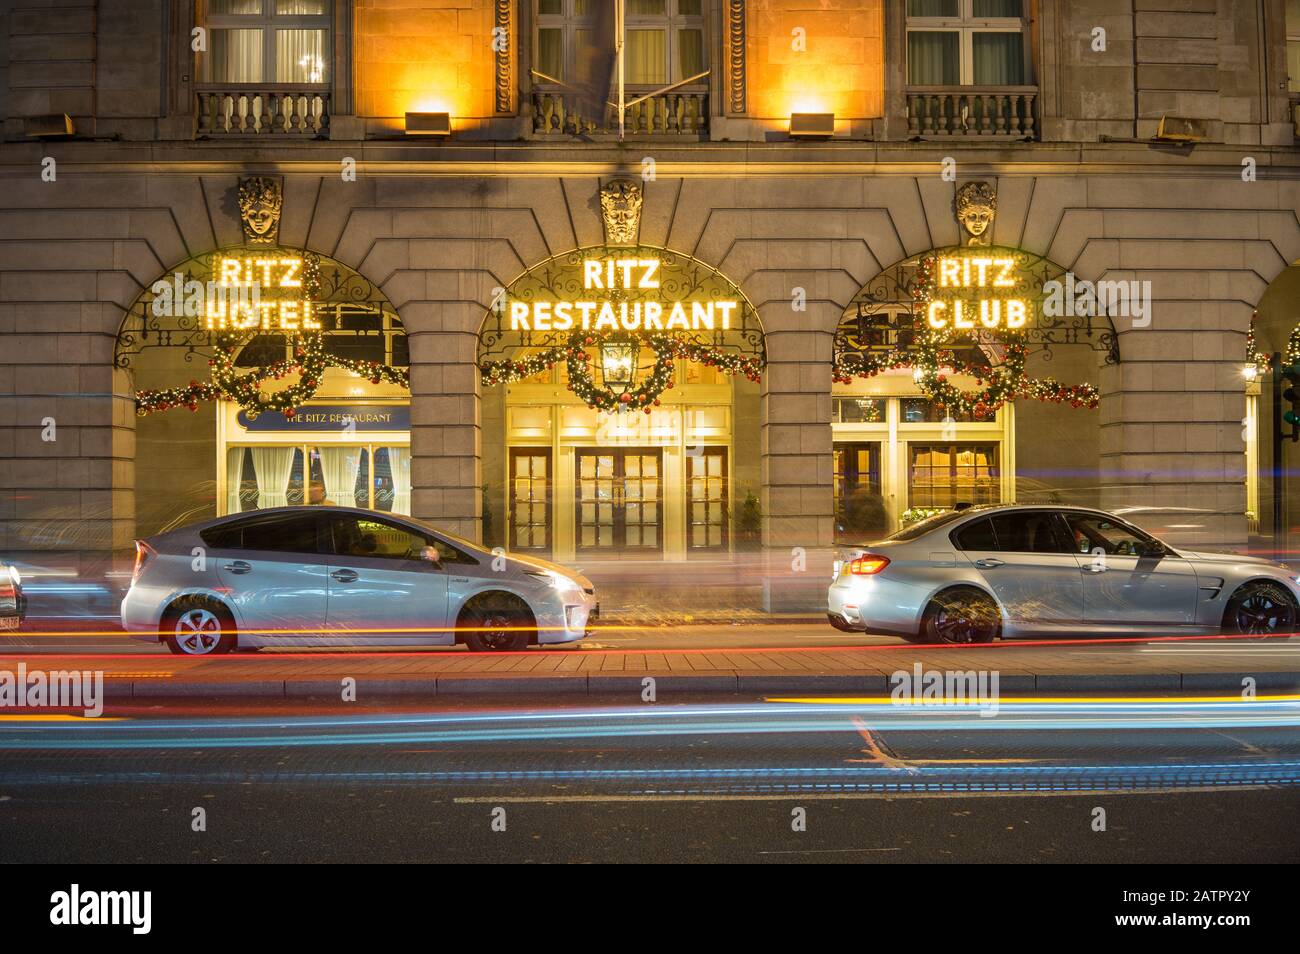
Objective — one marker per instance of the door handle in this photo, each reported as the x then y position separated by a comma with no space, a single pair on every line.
345,576
988,563
238,566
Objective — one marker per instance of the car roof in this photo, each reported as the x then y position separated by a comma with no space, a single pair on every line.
315,509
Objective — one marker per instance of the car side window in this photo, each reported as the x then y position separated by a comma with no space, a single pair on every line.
449,554
1092,532
1029,531
292,533
377,539
977,535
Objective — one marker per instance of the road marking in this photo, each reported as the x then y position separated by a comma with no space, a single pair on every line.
838,796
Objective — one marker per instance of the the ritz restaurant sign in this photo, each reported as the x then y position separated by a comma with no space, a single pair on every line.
620,295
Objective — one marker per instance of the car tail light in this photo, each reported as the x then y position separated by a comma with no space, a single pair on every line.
868,564
142,554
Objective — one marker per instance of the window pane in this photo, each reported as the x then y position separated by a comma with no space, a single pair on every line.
1030,531
300,56
932,58
999,59
646,8
996,8
689,8
932,8
690,53
1293,65
977,536
550,53
301,7
549,8
236,7
296,534
646,56
235,57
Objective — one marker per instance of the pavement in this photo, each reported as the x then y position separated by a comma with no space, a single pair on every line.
790,658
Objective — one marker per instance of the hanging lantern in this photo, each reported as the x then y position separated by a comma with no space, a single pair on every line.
618,363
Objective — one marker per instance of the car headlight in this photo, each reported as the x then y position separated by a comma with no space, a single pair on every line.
555,580
15,575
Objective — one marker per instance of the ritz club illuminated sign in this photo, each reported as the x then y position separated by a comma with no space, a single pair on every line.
970,292
605,280
254,292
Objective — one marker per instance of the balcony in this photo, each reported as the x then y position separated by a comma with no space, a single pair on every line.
681,112
972,112
263,110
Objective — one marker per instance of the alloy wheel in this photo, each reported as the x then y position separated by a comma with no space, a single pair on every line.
197,632
964,620
1260,614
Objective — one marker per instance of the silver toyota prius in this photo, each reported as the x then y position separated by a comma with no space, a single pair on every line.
975,574
336,576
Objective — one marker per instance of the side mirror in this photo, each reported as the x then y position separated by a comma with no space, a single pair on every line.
430,555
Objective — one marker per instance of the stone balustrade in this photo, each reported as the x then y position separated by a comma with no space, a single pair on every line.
681,112
972,111
266,110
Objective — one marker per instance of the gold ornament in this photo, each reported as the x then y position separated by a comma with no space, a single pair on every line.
976,205
620,207
260,200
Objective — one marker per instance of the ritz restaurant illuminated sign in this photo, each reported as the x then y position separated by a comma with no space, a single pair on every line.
975,291
619,296
253,292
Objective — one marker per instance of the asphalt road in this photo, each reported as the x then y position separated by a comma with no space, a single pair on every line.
1178,782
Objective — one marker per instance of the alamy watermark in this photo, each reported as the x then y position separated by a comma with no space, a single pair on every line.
951,687
1067,297
57,689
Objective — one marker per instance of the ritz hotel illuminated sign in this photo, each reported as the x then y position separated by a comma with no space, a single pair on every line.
969,292
620,275
250,293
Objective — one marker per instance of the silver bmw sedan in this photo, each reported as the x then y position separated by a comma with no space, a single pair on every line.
336,576
979,573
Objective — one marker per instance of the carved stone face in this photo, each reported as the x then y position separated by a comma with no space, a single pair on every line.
976,205
620,207
260,201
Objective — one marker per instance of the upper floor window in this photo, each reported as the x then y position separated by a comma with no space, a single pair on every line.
665,40
267,41
966,43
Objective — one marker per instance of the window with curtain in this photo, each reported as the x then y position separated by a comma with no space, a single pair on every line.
665,40
967,43
940,475
267,41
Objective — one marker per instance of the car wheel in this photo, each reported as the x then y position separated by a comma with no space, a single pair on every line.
198,627
961,616
497,622
1260,608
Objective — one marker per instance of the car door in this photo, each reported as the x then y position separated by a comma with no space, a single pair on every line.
1129,577
379,587
272,571
1025,559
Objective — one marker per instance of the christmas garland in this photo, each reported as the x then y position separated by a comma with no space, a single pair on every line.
646,395
309,362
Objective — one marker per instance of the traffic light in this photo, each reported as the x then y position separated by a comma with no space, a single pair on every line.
1291,397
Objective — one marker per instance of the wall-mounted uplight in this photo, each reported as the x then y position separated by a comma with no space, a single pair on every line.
812,125
428,124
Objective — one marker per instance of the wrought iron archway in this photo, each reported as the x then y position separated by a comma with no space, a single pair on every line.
882,317
683,278
346,302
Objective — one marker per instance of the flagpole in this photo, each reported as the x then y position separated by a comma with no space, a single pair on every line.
618,53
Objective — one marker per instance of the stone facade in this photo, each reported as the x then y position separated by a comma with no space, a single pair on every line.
438,227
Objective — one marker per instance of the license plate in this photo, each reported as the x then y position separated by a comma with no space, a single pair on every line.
9,622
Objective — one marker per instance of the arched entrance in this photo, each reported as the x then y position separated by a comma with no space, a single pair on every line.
935,360
220,345
621,409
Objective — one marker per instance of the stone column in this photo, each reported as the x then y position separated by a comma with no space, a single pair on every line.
445,433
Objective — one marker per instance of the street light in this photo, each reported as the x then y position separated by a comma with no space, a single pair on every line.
617,362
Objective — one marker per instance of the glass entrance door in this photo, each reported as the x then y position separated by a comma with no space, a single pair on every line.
619,499
530,499
859,507
706,506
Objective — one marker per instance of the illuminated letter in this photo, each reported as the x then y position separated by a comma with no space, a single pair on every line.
990,312
1004,279
519,316
654,316
230,271
1015,313
308,322
935,321
625,265
585,308
650,272
958,319
981,267
289,315
726,308
677,319
948,272
591,273
563,316
541,316
701,316
290,278
606,321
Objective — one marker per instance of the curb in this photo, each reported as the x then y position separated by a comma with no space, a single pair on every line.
715,683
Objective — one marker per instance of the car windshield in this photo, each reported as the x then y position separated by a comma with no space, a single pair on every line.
922,527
